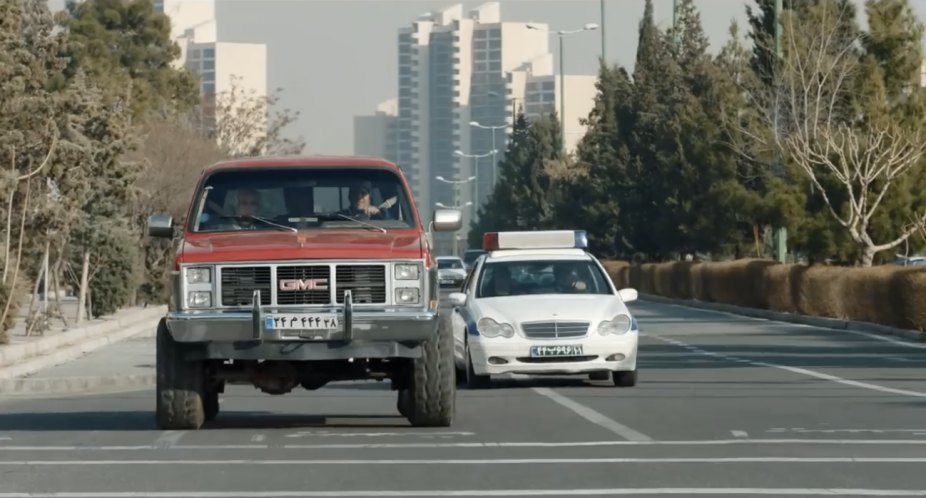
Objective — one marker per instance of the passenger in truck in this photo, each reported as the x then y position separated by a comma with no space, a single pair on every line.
361,207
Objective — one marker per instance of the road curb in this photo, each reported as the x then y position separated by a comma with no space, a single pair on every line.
24,359
814,321
72,385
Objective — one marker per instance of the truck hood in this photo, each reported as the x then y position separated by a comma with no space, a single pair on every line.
306,244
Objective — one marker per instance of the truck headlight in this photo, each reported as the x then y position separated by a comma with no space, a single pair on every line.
406,272
407,295
199,275
490,328
619,325
199,299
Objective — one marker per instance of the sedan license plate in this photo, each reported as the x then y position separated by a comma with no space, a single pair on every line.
553,351
308,321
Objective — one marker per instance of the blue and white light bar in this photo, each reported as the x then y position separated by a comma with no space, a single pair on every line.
543,239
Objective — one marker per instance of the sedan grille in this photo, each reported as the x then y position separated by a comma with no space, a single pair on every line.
554,329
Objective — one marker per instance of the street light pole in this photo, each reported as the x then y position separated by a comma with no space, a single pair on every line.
562,97
603,53
562,78
781,237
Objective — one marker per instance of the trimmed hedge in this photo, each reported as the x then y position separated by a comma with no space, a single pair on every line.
887,295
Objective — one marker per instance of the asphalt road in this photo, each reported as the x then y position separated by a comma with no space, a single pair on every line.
725,406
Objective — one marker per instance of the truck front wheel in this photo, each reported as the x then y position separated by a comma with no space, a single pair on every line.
180,385
432,383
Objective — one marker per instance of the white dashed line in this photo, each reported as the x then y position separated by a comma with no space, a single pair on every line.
459,461
593,416
804,371
169,438
477,492
519,444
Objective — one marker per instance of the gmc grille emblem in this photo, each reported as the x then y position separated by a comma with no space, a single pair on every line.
298,284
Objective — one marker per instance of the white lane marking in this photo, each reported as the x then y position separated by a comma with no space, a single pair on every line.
5,438
257,438
916,432
169,438
882,338
572,444
375,434
804,371
594,416
739,433
477,492
466,461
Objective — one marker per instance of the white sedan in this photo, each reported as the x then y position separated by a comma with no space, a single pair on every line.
543,311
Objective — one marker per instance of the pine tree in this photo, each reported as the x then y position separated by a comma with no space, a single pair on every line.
594,196
497,212
142,60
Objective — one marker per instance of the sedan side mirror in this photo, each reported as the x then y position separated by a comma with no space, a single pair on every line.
628,295
161,226
457,298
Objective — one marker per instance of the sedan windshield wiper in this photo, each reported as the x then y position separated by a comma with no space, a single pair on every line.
262,220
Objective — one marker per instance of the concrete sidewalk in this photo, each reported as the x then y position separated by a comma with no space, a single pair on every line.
122,366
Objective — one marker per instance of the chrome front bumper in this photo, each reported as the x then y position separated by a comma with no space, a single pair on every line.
236,326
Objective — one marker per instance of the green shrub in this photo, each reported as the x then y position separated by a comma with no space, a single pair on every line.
887,295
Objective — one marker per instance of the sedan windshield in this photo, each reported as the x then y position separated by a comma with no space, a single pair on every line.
449,264
289,199
518,278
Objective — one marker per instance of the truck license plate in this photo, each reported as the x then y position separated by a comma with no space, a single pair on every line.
548,351
294,321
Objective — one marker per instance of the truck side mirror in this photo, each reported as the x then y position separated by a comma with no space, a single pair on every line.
447,220
161,226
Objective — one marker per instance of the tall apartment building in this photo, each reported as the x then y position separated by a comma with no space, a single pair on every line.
376,134
460,76
452,72
536,89
218,64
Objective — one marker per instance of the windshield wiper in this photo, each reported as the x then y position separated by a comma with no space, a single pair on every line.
262,220
341,216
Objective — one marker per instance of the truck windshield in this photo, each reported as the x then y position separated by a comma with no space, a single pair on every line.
301,198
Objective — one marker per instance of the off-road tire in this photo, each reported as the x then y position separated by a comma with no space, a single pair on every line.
180,385
403,402
625,379
432,383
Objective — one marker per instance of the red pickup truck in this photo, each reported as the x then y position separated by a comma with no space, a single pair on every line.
299,271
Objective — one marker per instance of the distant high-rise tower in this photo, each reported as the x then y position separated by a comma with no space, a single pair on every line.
218,64
460,79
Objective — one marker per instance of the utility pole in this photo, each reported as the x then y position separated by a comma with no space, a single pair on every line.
781,234
675,21
604,56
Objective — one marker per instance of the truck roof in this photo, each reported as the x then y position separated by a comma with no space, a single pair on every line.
316,161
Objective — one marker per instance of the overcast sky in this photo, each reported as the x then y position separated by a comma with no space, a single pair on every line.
338,58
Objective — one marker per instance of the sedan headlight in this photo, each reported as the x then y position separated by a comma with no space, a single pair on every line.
199,275
619,325
490,328
406,272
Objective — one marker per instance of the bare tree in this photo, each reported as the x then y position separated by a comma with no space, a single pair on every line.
172,156
248,124
811,116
